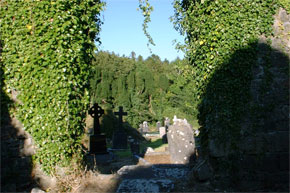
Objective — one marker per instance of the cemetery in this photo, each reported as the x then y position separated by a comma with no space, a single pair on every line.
76,118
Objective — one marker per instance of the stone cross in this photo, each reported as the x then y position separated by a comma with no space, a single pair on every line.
120,136
121,113
96,112
97,141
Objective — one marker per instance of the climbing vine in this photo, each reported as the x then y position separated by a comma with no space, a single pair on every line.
47,51
221,41
146,9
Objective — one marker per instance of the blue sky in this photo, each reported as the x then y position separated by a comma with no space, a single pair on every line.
122,29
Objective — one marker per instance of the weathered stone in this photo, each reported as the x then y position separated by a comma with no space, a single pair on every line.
270,162
158,125
202,171
145,127
283,16
216,150
162,131
287,27
37,190
149,150
284,161
135,147
42,180
181,143
278,141
164,139
120,136
145,185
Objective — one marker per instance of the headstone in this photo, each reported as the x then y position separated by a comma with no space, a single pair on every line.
141,128
145,127
158,125
163,135
135,147
181,143
120,136
162,131
97,141
167,123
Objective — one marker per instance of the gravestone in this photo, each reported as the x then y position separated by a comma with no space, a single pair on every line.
120,136
145,127
181,143
97,141
167,123
141,128
163,134
135,147
162,131
158,125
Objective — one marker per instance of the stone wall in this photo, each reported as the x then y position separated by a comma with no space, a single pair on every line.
261,161
16,151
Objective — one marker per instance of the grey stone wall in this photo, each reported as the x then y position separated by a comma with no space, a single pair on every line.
16,162
261,162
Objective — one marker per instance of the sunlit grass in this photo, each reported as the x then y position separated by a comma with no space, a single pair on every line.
155,143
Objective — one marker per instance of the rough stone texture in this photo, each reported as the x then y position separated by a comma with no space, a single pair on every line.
152,178
37,190
144,185
162,131
16,151
181,143
202,171
261,160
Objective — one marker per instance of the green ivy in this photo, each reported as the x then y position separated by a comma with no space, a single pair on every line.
221,41
146,9
47,52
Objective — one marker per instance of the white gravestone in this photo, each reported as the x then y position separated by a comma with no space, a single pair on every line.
145,127
162,131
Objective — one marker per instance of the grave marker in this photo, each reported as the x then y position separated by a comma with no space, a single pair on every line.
120,136
97,141
145,127
158,125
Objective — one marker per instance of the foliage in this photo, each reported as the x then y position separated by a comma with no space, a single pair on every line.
286,5
146,10
148,89
47,52
221,39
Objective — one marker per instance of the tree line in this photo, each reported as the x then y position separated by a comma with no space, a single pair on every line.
149,89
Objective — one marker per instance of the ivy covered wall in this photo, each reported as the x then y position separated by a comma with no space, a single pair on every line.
241,70
47,50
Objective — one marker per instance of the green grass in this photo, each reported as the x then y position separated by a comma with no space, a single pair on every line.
156,144
123,153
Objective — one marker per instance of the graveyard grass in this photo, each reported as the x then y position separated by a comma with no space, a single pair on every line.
154,143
